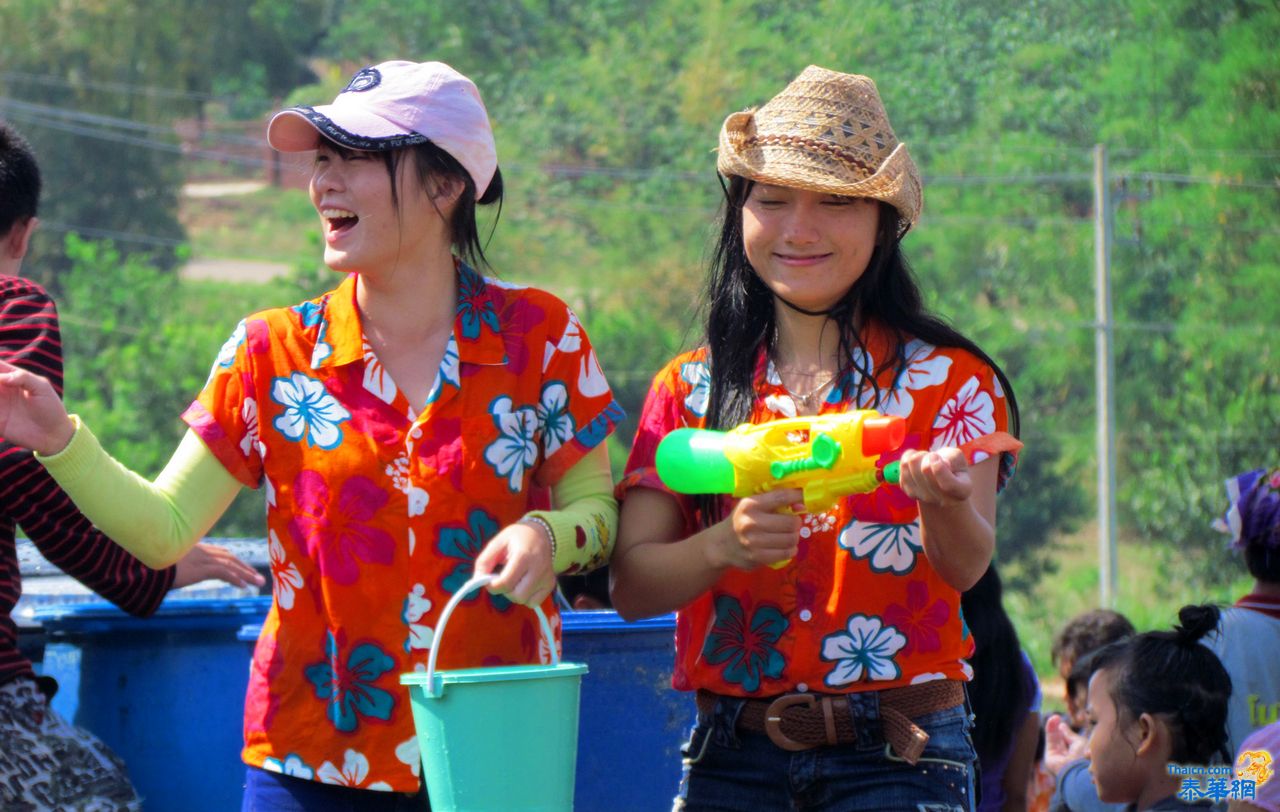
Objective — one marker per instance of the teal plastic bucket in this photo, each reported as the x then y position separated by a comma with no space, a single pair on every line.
502,738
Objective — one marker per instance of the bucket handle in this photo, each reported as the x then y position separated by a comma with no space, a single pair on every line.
470,586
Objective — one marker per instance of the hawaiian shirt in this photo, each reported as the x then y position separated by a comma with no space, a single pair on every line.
375,514
859,607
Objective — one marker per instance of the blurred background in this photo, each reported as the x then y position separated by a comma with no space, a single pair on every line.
167,218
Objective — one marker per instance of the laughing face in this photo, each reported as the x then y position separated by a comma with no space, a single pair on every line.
808,247
363,231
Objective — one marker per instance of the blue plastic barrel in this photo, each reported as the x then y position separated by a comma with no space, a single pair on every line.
631,723
165,692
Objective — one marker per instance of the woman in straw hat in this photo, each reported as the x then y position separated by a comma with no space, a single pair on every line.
835,680
401,425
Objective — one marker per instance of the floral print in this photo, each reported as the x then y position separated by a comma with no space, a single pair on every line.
859,607
349,687
309,410
745,645
887,547
377,508
864,650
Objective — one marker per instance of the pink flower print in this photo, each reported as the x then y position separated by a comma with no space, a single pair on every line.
967,416
335,532
919,620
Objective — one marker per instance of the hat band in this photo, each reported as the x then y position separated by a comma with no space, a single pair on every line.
346,138
839,153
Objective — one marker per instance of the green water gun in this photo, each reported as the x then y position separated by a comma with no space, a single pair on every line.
827,456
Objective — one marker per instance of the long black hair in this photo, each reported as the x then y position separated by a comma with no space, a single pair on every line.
740,320
1171,675
999,694
431,162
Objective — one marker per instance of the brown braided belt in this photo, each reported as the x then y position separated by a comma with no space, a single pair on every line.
803,721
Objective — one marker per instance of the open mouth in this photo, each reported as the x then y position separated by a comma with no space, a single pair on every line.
339,220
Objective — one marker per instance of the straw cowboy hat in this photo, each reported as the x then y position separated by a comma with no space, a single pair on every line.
825,132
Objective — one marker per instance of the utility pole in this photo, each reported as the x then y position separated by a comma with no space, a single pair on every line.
1104,362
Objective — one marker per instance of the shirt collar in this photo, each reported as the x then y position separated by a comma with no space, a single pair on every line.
476,326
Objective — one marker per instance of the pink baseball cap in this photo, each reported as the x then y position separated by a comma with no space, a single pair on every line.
398,104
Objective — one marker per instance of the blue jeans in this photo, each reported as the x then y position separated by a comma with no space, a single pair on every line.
728,770
271,792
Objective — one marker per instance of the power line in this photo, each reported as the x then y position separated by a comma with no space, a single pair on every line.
109,234
114,87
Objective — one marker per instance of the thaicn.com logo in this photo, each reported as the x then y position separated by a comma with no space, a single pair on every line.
1220,782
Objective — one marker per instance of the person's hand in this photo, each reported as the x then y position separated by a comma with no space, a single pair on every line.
935,477
1062,745
523,552
758,532
208,561
31,413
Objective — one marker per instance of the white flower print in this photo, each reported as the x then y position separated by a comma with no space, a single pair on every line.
292,765
698,376
932,676
271,490
227,355
570,342
376,378
591,380
816,523
416,605
890,547
249,413
321,351
285,577
544,648
413,541
554,418
516,447
921,372
865,650
354,772
780,405
309,410
966,669
399,473
967,416
407,752
449,371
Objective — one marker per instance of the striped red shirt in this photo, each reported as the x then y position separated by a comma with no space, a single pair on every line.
30,498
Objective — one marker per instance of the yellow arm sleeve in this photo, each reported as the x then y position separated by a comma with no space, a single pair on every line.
585,521
156,521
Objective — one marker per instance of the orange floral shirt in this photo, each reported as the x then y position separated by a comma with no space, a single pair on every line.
375,514
859,608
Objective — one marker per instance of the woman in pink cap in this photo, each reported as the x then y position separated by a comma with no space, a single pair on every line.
826,649
405,427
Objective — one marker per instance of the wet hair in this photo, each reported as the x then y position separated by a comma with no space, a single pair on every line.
740,320
431,163
1089,632
999,694
19,180
1171,675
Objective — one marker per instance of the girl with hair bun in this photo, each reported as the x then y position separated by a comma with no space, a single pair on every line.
1157,699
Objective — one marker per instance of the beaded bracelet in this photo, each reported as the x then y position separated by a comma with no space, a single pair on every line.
538,521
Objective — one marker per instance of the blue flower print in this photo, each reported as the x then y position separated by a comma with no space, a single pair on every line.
854,383
516,447
465,544
698,376
593,434
864,650
309,313
553,417
747,646
448,372
349,688
888,547
309,410
474,307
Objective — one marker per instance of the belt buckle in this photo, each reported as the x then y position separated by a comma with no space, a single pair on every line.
773,721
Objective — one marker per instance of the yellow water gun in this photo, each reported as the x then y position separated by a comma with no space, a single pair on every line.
827,456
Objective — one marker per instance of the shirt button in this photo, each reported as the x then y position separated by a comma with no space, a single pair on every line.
806,615
802,687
